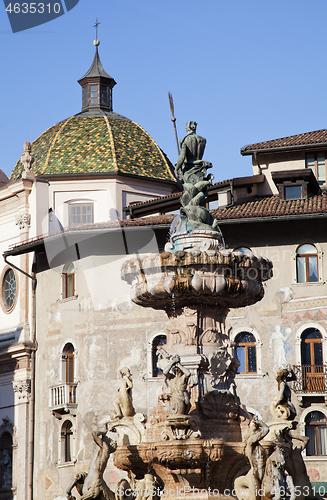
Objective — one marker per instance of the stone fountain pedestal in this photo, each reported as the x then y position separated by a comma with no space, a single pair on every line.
196,284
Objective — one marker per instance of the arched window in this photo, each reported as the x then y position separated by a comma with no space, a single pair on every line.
316,431
9,289
159,340
6,461
69,370
68,281
246,352
67,442
306,264
312,360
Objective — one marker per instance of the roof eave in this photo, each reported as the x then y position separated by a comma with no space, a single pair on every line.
281,149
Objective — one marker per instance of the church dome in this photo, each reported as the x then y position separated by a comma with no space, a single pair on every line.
97,140
108,144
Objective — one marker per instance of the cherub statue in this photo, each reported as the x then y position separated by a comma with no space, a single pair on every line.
92,485
123,404
178,377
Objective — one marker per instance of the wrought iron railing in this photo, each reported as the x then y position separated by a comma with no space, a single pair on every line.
63,395
310,378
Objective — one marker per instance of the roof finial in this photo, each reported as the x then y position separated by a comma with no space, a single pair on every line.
96,41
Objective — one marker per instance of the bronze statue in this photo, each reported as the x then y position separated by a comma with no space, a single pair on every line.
191,170
92,485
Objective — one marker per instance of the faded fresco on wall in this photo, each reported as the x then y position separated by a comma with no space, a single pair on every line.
279,345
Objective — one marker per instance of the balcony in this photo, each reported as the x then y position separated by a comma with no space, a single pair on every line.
63,399
311,380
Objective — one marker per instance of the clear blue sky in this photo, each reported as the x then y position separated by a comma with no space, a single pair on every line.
246,71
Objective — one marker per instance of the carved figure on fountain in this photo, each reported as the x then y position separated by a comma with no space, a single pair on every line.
282,407
223,368
248,486
123,404
91,485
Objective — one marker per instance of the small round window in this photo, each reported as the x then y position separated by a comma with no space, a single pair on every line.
9,286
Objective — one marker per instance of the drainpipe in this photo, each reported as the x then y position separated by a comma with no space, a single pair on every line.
31,415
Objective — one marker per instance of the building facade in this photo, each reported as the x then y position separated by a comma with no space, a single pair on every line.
98,192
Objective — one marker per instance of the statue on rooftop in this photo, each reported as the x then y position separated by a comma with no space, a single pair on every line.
27,160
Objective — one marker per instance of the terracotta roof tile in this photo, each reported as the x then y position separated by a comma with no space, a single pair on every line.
317,137
269,206
273,206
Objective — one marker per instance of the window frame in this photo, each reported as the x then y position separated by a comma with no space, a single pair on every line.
316,426
320,272
315,170
150,357
80,204
8,309
65,438
258,344
65,277
307,266
246,345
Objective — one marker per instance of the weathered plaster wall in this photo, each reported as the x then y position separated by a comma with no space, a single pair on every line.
108,332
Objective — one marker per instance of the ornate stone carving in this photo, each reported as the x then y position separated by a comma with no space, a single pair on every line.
27,160
23,389
217,405
181,427
23,221
130,430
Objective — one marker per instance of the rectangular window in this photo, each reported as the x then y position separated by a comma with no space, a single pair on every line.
80,213
94,94
293,192
317,163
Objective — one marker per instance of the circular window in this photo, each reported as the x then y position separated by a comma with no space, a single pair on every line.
9,288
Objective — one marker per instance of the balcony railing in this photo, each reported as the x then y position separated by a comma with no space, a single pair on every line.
311,379
63,398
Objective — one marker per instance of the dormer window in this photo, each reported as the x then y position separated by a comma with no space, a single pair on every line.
295,184
317,163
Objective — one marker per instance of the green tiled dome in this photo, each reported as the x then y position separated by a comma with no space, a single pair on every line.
97,144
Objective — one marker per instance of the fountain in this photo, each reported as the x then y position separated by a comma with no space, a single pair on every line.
200,439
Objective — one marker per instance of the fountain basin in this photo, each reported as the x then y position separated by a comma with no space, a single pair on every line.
180,278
